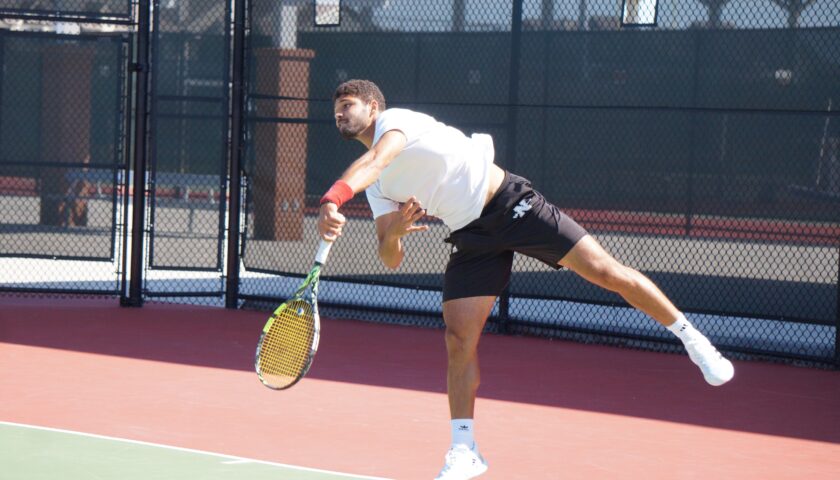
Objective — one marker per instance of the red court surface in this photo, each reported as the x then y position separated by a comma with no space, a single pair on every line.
374,401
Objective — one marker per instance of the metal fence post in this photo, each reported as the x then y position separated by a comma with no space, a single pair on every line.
236,146
692,154
513,106
837,317
140,68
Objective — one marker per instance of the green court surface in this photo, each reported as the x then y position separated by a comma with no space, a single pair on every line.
36,453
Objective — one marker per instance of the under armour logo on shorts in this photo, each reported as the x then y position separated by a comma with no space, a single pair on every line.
520,210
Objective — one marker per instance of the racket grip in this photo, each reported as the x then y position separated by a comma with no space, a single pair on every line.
323,251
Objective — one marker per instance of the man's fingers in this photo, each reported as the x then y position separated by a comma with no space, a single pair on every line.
412,211
330,222
336,220
411,205
417,212
331,225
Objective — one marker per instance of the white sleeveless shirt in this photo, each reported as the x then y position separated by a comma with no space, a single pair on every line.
444,169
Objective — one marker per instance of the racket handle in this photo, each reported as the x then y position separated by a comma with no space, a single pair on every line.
323,251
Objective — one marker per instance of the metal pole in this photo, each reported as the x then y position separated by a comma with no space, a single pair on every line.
140,68
513,102
125,176
837,318
459,10
692,154
513,89
236,151
546,14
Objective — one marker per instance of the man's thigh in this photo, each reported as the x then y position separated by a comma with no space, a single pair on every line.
543,231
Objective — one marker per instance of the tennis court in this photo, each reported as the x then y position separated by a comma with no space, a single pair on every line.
168,391
171,155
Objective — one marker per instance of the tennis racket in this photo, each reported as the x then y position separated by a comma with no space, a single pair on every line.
289,339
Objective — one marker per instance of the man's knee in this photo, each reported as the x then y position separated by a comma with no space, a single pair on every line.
615,276
465,320
460,342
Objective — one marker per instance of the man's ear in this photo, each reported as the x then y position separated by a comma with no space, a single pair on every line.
374,105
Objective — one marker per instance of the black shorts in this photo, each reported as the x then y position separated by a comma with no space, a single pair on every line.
517,219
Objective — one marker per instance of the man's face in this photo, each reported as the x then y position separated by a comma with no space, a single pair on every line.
352,116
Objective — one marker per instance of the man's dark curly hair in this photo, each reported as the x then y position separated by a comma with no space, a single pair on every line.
363,89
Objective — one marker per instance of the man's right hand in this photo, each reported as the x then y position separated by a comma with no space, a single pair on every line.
330,222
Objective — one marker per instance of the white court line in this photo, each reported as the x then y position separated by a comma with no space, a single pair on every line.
233,458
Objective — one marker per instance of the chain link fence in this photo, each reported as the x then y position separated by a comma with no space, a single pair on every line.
63,93
697,151
697,140
189,130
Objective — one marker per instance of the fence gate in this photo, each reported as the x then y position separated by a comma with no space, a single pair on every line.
63,144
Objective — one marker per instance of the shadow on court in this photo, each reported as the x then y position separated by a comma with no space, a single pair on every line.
763,398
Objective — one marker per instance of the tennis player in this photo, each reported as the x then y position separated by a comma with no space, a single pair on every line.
416,165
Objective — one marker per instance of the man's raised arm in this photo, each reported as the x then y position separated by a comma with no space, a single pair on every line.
359,175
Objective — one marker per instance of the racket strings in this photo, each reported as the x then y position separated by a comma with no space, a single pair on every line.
286,347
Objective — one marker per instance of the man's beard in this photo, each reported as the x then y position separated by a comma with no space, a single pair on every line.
349,131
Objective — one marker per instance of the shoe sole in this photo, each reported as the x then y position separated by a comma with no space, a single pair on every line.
483,469
718,381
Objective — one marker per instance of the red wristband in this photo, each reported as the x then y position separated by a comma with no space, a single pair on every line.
338,194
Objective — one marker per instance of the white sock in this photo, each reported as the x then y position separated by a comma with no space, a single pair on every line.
462,432
684,330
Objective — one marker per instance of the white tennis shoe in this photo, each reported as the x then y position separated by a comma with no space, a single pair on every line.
462,463
716,369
